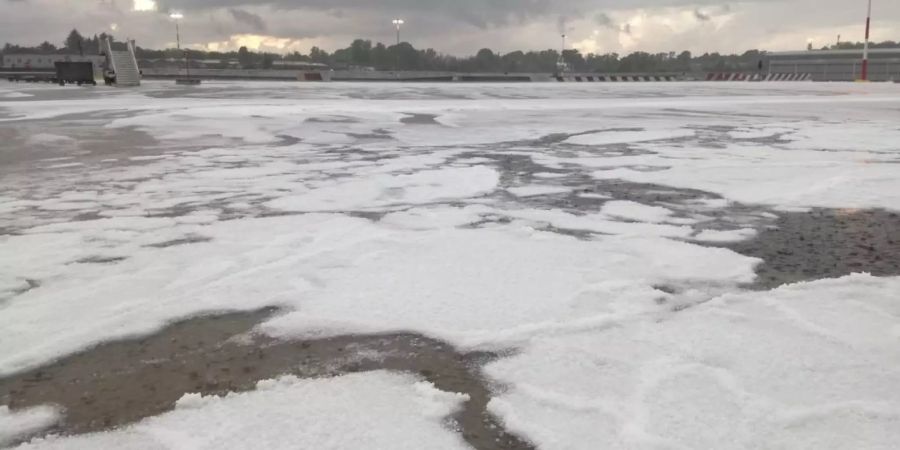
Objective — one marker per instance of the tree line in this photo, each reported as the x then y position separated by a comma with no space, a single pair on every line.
75,44
364,54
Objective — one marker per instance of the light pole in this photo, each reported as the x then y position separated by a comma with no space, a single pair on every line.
561,64
397,23
177,16
865,63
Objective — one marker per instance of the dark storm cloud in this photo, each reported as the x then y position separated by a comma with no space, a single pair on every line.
603,20
475,12
447,14
706,14
254,21
701,16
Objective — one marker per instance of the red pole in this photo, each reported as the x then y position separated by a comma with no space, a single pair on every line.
865,63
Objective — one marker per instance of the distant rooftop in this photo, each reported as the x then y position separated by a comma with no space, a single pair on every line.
850,52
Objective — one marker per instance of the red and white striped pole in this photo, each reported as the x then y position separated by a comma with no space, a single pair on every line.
865,64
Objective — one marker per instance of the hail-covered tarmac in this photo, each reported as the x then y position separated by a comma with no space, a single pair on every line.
408,266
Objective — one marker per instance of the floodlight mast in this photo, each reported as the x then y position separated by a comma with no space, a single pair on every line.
177,16
398,23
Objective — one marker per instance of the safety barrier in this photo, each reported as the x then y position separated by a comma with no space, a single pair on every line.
736,76
614,78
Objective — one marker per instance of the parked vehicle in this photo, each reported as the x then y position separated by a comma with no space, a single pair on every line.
75,72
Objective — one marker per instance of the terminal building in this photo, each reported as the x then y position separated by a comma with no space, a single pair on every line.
45,62
837,65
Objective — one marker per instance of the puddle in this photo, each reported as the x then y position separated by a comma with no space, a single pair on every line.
419,119
286,140
119,383
86,139
101,260
332,119
825,243
183,241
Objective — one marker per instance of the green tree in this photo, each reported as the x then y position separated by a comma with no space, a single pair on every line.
574,60
606,63
380,57
318,55
267,60
486,60
47,48
245,58
75,42
683,62
361,52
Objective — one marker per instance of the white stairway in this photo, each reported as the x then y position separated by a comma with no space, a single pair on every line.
124,64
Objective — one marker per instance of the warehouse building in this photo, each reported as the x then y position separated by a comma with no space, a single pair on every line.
837,65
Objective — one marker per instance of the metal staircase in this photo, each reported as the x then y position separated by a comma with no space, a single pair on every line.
124,64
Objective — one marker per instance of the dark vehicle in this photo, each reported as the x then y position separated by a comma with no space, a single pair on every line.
75,72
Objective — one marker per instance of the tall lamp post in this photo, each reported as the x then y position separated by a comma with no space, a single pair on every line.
177,16
397,23
865,63
561,64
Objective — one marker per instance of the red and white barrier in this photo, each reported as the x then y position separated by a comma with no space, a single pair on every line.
582,78
737,76
711,76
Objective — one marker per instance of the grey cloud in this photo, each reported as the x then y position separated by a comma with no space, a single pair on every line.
709,13
701,16
604,21
561,25
453,26
475,12
254,21
447,15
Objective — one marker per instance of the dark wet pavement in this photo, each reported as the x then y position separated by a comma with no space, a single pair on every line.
119,383
825,243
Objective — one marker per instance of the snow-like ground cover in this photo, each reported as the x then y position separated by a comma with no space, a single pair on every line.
493,227
375,410
18,424
803,366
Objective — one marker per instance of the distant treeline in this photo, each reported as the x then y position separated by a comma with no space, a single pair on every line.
364,54
74,44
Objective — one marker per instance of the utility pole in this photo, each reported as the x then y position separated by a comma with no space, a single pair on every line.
865,63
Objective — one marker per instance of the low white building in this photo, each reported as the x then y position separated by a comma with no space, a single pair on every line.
837,65
36,61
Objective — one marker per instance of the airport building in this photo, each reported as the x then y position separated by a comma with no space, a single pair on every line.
45,62
837,65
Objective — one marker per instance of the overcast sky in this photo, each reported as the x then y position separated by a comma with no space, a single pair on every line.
458,26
